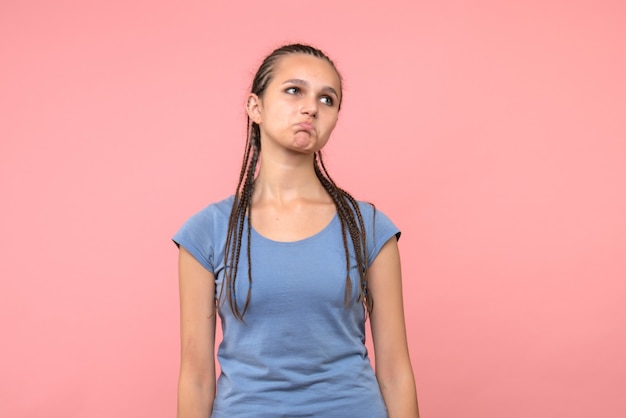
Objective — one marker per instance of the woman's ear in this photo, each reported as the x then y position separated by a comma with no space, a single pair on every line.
253,107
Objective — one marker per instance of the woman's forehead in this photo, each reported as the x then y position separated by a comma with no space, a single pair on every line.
307,68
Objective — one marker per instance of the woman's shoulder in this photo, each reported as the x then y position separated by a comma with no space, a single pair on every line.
375,218
204,231
221,207
368,210
365,206
216,209
211,216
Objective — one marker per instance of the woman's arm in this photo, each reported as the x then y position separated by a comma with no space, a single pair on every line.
196,383
393,366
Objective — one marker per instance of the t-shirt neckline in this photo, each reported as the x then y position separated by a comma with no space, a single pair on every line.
316,235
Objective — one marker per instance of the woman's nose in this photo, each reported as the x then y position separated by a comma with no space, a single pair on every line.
309,107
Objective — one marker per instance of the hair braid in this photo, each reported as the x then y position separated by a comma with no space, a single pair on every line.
241,207
351,220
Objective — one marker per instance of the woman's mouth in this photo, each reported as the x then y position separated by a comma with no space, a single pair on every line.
306,126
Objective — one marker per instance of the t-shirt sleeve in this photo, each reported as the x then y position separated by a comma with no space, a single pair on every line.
195,237
382,231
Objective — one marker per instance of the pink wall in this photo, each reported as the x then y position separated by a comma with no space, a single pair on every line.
492,132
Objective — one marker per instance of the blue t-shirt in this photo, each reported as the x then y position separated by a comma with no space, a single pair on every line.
299,351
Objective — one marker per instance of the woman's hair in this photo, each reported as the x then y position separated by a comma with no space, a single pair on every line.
347,208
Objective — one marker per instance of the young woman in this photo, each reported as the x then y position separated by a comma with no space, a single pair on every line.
293,264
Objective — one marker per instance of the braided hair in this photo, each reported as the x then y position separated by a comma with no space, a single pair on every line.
347,207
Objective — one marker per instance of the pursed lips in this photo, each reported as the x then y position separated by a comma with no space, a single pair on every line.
306,126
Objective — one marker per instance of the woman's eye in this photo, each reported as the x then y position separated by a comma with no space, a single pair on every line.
327,100
292,90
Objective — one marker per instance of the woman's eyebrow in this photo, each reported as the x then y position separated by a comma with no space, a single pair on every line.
305,83
296,81
331,90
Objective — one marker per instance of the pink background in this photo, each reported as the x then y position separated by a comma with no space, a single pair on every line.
492,132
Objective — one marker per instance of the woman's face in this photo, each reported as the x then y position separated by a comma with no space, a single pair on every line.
300,106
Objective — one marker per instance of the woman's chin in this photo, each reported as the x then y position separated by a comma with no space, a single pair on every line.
303,143
302,139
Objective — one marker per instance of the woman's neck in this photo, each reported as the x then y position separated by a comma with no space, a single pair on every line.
284,183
